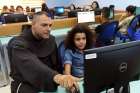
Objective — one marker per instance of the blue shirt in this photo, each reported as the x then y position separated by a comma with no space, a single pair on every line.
76,60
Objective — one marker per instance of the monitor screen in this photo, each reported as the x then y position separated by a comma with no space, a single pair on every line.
109,65
37,9
137,10
86,17
15,18
59,10
111,13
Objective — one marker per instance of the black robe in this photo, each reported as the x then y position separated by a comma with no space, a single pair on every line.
33,63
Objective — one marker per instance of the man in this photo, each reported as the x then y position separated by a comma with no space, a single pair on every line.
33,57
126,19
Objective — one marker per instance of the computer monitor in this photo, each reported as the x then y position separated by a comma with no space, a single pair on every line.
111,13
59,10
86,17
110,65
137,11
15,18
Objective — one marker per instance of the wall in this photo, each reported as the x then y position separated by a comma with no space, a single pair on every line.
24,3
53,3
119,4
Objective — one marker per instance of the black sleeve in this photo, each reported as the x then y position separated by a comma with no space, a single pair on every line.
30,67
57,64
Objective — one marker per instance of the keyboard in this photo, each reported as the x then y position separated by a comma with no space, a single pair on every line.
60,17
93,26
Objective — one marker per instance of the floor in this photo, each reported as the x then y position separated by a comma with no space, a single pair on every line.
135,88
5,89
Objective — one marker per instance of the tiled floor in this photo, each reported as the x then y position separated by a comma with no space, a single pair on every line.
134,88
5,89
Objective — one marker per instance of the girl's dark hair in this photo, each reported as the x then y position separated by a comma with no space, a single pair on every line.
96,4
79,28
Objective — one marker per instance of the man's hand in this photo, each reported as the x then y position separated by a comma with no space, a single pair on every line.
66,81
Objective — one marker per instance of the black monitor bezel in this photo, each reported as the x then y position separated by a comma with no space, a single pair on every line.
56,8
89,85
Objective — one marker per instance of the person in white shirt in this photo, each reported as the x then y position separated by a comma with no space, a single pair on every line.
126,19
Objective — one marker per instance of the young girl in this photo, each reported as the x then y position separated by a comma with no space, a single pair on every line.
77,40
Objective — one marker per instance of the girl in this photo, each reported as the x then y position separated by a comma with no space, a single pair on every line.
77,40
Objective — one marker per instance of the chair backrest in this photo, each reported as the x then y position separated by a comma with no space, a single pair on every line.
108,33
132,27
137,34
134,21
4,77
61,52
131,31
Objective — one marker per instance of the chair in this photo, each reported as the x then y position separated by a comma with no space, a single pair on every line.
107,34
4,80
61,50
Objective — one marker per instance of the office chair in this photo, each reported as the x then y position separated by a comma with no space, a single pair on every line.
108,33
137,34
3,68
132,28
61,52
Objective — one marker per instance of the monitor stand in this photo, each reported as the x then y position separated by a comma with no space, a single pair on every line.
60,17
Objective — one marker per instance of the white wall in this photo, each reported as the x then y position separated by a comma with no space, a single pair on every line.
53,3
119,4
81,2
24,3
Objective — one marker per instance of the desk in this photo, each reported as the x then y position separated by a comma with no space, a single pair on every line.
58,33
134,88
15,28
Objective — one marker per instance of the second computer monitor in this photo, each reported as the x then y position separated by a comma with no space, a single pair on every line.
86,17
59,10
111,13
137,12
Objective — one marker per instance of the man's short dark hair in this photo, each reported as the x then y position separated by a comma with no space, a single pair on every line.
37,14
40,13
106,12
131,9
